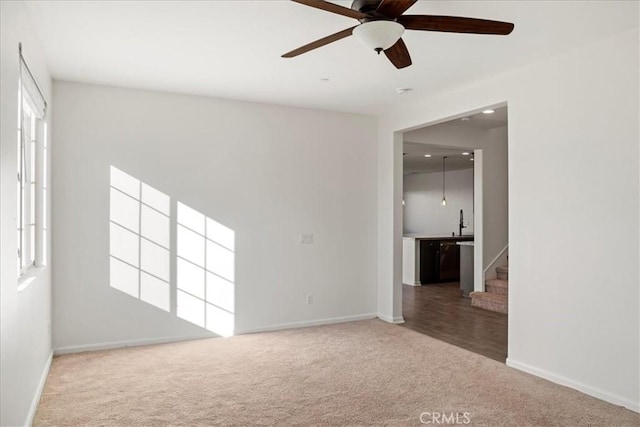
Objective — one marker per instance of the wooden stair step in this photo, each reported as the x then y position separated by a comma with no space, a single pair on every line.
490,301
497,286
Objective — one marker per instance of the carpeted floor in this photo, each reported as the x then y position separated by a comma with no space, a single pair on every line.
360,373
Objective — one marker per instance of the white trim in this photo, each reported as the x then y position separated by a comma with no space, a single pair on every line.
128,343
478,220
36,397
151,341
306,323
396,320
29,277
584,388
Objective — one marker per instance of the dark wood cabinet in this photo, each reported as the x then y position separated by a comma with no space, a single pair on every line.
429,261
440,260
449,261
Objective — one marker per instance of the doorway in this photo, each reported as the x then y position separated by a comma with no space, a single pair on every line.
457,167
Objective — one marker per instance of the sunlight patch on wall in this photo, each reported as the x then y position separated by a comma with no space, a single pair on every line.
141,250
139,240
205,271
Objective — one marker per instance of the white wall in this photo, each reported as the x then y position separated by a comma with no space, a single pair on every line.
269,173
573,212
25,339
495,195
423,212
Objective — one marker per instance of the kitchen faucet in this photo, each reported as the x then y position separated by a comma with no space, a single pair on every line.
462,221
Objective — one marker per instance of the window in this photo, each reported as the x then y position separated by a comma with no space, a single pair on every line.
26,188
31,158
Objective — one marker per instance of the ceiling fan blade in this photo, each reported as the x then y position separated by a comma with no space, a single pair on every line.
394,8
455,24
334,8
319,43
399,55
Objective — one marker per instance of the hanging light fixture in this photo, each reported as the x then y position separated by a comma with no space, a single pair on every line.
444,200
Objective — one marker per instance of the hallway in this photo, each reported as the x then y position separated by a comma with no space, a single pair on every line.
440,312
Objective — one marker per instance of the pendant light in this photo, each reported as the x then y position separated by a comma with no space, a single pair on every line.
444,200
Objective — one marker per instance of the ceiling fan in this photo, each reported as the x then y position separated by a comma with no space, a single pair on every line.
382,23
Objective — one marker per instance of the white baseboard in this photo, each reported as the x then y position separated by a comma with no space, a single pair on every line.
129,343
36,397
164,340
307,323
413,284
584,388
389,319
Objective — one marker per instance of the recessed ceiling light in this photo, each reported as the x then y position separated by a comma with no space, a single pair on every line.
488,111
403,90
471,159
466,153
465,119
427,155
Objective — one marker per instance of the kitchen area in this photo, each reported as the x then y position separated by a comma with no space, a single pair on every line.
438,216
455,227
431,259
438,251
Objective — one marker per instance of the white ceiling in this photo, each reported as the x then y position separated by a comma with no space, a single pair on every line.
482,121
232,49
414,160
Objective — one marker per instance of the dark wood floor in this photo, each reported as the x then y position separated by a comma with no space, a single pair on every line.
440,312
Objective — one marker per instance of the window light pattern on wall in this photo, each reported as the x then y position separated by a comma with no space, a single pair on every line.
205,271
139,240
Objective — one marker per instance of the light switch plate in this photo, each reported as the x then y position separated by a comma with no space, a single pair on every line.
306,239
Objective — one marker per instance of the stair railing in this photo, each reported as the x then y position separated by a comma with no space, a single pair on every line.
493,262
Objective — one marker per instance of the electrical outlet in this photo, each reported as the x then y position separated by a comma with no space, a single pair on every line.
306,239
309,299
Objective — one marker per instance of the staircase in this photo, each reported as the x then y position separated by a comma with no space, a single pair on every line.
496,297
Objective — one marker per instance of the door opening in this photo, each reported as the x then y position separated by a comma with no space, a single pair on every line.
455,229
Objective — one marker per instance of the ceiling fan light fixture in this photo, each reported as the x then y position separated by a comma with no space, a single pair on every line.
378,35
382,23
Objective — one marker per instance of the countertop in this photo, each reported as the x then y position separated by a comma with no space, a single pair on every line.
418,236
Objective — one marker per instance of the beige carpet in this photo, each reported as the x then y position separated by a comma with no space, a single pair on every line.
360,373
